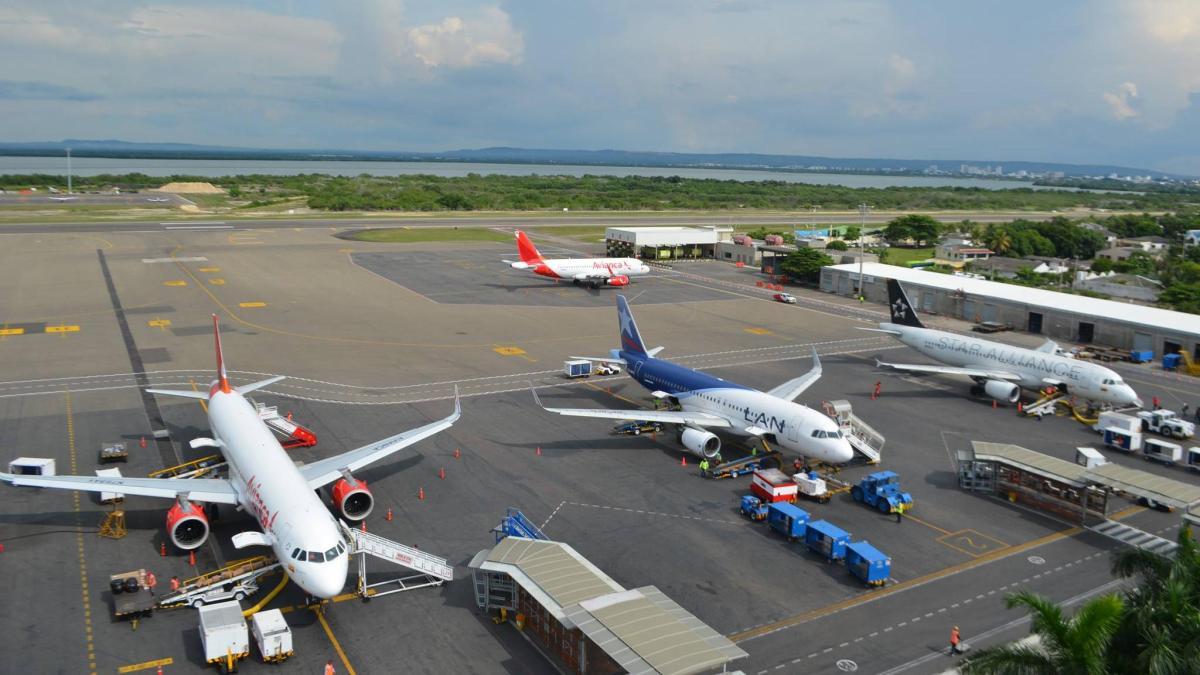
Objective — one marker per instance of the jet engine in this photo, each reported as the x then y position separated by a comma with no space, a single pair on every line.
618,280
700,443
1002,391
352,499
187,526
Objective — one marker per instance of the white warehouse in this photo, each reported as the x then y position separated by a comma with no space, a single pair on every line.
656,243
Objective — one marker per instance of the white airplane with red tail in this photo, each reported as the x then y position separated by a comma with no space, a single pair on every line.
263,481
593,272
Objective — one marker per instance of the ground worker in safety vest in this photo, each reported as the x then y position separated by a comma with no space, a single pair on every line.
329,667
954,640
704,468
174,584
151,582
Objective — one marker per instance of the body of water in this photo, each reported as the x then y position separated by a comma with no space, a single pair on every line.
213,168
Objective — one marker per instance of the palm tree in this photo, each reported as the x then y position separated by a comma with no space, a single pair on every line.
1161,631
1068,646
1000,241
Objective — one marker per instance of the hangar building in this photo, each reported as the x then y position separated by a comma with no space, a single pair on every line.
1074,318
663,243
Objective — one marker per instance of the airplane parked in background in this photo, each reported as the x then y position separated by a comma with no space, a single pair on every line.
594,272
706,401
263,481
1000,371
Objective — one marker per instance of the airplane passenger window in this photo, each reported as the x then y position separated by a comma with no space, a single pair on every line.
316,556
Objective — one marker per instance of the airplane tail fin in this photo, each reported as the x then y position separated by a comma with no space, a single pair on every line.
631,339
902,310
529,252
222,377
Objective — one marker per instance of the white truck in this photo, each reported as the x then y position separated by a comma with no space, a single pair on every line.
272,635
1120,431
223,635
1166,423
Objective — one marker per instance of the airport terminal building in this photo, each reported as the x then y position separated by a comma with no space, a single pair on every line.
1063,316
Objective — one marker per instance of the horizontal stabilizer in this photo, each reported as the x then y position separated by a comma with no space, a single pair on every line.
203,396
653,352
255,386
879,330
518,265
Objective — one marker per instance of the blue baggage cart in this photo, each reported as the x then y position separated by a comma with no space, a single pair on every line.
868,563
829,540
787,519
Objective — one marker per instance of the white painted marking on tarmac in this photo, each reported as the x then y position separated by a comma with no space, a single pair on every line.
171,260
199,227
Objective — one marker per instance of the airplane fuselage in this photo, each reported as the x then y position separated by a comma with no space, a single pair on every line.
1037,369
791,425
270,487
581,268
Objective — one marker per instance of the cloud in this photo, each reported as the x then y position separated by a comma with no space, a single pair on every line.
1120,101
485,36
42,91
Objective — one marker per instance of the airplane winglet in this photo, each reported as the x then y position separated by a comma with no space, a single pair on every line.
536,399
457,404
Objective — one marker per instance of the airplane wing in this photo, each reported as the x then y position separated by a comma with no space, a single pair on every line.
951,370
789,390
213,490
665,416
325,471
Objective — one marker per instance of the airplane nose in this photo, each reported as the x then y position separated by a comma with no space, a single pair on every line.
329,579
843,453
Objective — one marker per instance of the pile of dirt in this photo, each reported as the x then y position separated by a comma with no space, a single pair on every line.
190,189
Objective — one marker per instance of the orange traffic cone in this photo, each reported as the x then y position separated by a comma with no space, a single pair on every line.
442,473
289,415
388,517
539,451
143,441
457,453
160,672
192,558
364,526
993,404
162,549
683,460
1020,407
421,493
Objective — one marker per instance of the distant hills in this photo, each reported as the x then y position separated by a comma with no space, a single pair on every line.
808,163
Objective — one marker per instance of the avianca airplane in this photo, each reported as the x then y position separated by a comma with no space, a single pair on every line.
594,272
1000,371
264,482
711,402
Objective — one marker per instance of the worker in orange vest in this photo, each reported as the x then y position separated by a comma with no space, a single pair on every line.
954,640
174,584
151,582
329,667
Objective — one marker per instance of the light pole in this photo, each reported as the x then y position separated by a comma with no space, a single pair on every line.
863,209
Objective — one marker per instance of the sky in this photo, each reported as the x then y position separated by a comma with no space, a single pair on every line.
1102,81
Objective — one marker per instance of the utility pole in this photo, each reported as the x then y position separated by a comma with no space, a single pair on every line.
863,210
68,171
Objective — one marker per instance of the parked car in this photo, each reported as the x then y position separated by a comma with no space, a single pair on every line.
638,428
785,297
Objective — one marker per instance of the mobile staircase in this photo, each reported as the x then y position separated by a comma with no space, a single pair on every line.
515,524
430,569
862,437
235,581
1044,405
294,435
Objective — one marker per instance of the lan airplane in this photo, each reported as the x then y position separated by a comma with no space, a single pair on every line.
1000,371
264,481
707,402
594,272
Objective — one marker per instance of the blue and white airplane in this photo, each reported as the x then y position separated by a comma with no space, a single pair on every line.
706,401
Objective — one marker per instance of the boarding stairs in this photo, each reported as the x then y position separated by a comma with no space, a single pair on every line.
515,524
862,437
1132,536
294,435
430,569
234,581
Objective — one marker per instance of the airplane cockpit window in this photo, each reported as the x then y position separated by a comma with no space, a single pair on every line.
301,556
332,553
316,556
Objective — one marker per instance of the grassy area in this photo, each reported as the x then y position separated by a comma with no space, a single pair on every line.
582,233
422,234
902,256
